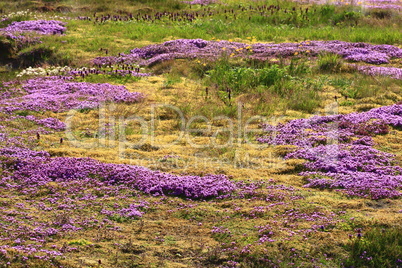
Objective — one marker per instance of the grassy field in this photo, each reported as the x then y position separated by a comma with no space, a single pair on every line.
79,202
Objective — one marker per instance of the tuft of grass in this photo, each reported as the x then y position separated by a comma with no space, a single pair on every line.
41,54
377,248
107,78
329,63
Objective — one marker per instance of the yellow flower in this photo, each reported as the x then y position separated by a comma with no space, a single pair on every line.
308,51
248,47
224,48
231,55
248,37
300,45
230,40
296,53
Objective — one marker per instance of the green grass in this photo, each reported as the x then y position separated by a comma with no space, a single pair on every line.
379,247
329,63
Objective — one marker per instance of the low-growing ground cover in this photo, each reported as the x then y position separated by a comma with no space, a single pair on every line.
340,147
159,145
198,48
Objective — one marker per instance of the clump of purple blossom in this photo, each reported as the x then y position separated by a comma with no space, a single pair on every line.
59,94
392,72
339,153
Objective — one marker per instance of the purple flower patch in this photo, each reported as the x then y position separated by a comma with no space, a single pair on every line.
339,152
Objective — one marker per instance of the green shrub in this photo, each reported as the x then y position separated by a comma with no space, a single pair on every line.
298,67
38,55
376,248
242,79
330,63
287,82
